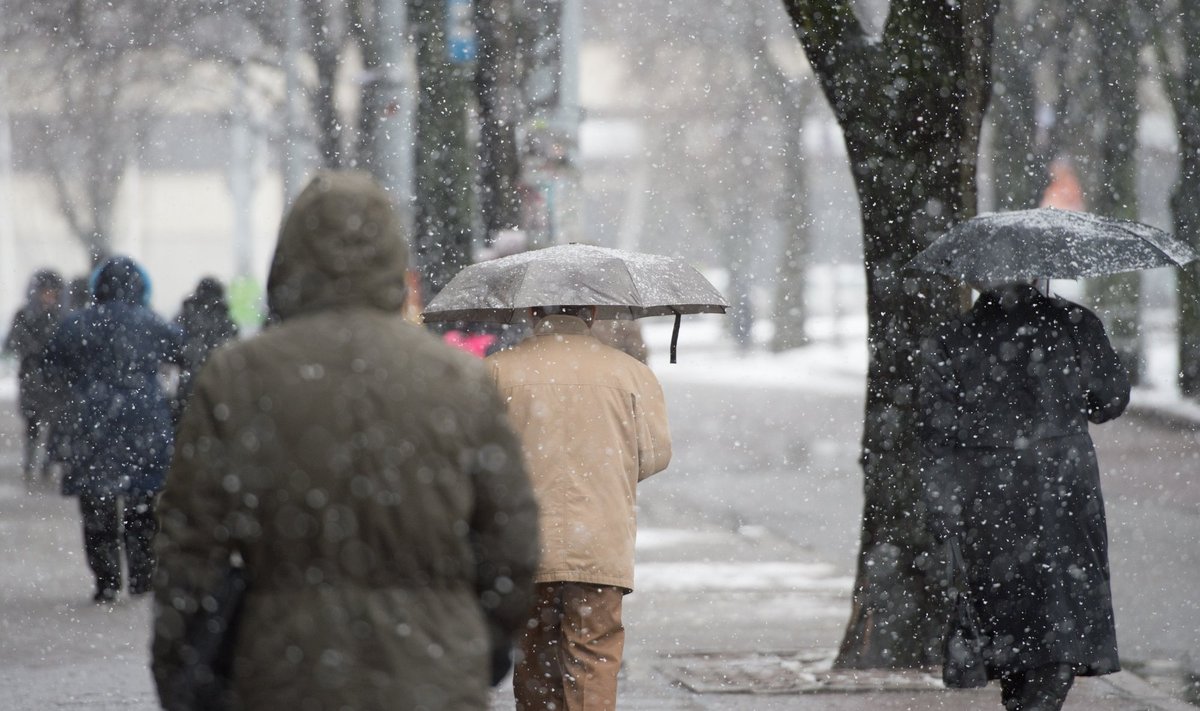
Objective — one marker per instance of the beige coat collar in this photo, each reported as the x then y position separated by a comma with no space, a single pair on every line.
560,325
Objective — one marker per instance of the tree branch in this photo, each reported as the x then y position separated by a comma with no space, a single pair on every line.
838,50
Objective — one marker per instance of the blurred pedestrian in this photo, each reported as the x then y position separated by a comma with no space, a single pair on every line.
593,423
1006,394
206,324
364,474
108,356
27,338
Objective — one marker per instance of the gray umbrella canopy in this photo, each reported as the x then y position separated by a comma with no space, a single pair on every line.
1058,244
620,284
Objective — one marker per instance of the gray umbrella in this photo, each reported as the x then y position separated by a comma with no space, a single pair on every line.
618,283
1058,244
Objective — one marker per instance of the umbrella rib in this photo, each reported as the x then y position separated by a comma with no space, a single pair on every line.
641,303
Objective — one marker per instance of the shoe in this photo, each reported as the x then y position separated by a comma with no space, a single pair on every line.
137,590
106,596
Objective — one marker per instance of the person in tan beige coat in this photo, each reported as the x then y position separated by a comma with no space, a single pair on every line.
593,423
365,474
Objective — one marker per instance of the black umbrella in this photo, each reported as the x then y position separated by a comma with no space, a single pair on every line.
1046,242
620,284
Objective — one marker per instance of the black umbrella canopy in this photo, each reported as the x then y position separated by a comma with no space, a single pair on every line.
619,283
1057,244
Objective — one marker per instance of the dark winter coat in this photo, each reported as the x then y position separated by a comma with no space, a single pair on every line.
1006,394
364,472
206,325
31,330
107,356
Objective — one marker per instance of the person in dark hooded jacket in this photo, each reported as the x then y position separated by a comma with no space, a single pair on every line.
206,325
1006,394
31,330
108,356
366,476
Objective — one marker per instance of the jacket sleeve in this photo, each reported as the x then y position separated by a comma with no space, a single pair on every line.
937,413
193,544
18,333
653,431
1105,381
504,526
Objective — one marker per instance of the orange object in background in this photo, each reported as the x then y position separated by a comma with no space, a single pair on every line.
1064,191
415,303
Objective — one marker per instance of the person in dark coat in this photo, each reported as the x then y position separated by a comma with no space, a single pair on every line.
31,330
1006,394
364,473
206,325
108,356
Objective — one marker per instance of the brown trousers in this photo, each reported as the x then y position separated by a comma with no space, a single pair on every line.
571,649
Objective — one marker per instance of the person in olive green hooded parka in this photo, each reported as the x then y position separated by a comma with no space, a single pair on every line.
363,471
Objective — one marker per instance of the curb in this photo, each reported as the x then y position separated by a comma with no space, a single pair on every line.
1138,689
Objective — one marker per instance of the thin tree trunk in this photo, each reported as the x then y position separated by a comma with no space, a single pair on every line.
1184,91
1017,169
496,90
444,180
1116,297
324,101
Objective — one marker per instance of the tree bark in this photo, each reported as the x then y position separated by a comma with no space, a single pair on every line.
444,182
1116,297
324,51
1019,172
1183,88
910,107
499,113
793,212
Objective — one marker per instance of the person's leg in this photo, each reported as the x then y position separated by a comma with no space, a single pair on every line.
1046,687
593,642
1012,685
140,527
537,675
101,543
33,431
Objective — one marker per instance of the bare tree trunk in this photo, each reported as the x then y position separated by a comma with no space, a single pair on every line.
499,113
791,310
910,107
1183,88
790,315
1116,297
324,51
1018,170
444,184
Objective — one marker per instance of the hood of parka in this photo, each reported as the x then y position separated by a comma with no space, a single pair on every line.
341,244
120,279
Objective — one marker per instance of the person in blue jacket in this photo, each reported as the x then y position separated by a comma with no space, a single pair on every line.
107,357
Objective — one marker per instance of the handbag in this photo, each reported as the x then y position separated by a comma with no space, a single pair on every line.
963,664
202,681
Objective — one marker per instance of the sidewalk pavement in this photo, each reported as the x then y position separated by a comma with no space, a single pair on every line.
744,621
736,620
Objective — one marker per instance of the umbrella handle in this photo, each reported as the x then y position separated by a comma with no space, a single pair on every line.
675,335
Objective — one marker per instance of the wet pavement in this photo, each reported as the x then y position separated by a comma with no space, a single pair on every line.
746,552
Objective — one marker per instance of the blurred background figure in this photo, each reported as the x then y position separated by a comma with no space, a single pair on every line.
484,339
78,294
623,334
108,356
31,330
206,324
